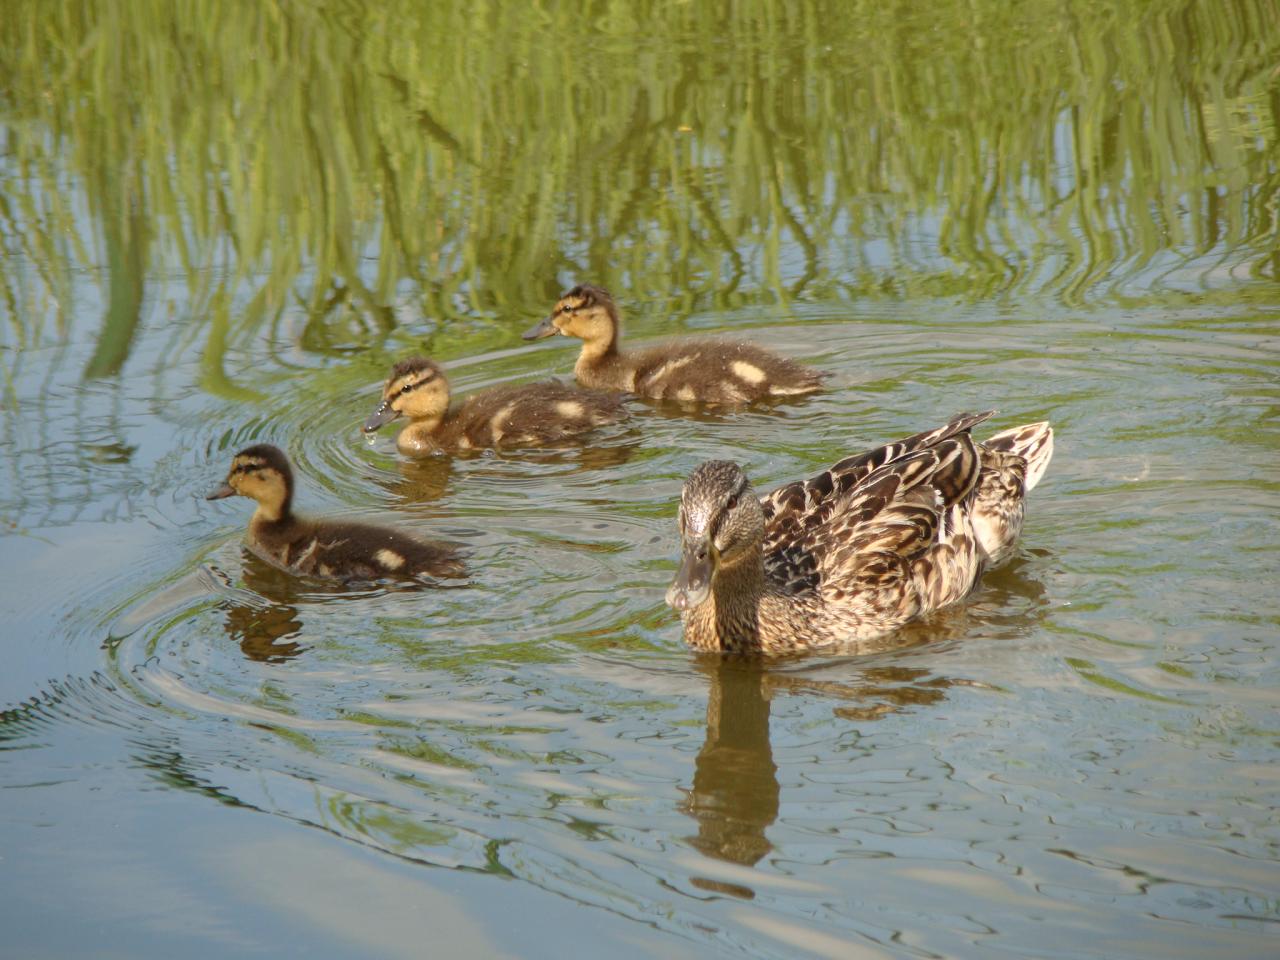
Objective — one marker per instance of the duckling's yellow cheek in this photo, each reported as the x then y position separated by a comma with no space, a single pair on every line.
389,559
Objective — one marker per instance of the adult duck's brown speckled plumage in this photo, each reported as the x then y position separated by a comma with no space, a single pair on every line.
858,550
530,415
326,548
719,372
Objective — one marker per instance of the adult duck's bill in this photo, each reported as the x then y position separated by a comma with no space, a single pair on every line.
543,328
692,584
384,414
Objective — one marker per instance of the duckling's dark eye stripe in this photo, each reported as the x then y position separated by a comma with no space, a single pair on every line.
415,384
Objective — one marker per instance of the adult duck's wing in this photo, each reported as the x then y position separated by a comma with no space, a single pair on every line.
904,545
794,512
822,531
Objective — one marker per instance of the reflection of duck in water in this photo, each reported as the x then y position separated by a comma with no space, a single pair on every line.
327,548
265,633
857,551
421,480
692,371
735,795
529,415
735,783
263,616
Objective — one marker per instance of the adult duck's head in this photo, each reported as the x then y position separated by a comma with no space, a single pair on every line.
721,526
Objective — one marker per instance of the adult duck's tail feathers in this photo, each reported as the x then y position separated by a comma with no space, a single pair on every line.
1033,442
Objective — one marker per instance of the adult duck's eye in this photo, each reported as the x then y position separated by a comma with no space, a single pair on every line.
733,502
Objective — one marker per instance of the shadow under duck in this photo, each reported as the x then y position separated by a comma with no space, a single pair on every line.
326,548
528,415
721,372
855,552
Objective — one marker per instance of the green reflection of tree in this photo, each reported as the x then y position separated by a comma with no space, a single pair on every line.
481,151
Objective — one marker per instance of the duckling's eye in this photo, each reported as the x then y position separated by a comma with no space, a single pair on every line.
406,388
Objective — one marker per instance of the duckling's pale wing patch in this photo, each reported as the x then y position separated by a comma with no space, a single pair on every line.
530,414
748,372
389,559
571,409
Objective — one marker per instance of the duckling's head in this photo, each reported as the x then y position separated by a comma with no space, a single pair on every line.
585,312
721,525
262,473
417,389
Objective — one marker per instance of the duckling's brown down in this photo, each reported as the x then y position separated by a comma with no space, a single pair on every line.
530,415
718,372
327,548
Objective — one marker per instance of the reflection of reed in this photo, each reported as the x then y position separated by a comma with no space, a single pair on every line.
1099,151
692,178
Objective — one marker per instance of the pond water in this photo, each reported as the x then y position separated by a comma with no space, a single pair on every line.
224,230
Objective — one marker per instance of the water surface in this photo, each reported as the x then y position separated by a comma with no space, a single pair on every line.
223,230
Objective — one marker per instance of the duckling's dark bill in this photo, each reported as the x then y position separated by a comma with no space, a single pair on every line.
543,328
384,414
221,493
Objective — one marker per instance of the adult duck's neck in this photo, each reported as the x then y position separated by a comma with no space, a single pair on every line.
729,619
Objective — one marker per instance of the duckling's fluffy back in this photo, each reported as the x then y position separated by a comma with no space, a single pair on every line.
534,414
725,372
353,551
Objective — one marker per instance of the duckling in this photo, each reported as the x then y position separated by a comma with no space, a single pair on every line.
856,551
326,548
531,415
717,372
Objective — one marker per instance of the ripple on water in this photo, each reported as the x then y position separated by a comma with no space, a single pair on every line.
1016,759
